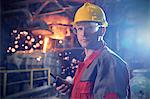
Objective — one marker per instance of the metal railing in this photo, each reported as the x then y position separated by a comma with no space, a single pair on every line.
7,72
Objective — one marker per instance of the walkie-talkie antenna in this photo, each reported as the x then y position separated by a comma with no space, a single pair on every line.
53,75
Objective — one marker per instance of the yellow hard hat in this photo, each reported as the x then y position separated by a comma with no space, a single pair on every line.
90,12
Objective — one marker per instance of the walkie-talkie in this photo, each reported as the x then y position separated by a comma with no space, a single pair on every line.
59,81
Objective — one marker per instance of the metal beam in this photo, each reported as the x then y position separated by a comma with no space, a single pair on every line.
41,8
28,2
55,12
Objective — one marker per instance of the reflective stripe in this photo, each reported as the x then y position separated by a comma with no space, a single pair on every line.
83,90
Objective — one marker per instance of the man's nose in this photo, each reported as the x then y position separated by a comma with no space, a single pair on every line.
84,33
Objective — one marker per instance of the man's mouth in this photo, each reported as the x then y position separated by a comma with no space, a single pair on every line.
85,40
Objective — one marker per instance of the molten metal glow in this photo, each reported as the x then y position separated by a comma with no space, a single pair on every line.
60,31
46,40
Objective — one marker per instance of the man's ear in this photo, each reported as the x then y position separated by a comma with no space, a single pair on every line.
103,30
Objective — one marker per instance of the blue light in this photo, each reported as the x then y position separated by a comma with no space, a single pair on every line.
126,43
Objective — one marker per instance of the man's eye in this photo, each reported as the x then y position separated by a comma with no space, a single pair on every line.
80,29
90,27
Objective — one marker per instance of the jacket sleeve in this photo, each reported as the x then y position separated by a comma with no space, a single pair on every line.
112,77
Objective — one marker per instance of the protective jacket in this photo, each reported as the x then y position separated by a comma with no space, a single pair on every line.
103,75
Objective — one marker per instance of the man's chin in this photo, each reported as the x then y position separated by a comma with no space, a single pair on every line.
84,45
87,47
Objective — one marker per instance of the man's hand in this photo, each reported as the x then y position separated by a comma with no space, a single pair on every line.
64,89
65,86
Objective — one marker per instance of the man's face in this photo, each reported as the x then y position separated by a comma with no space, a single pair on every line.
87,34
